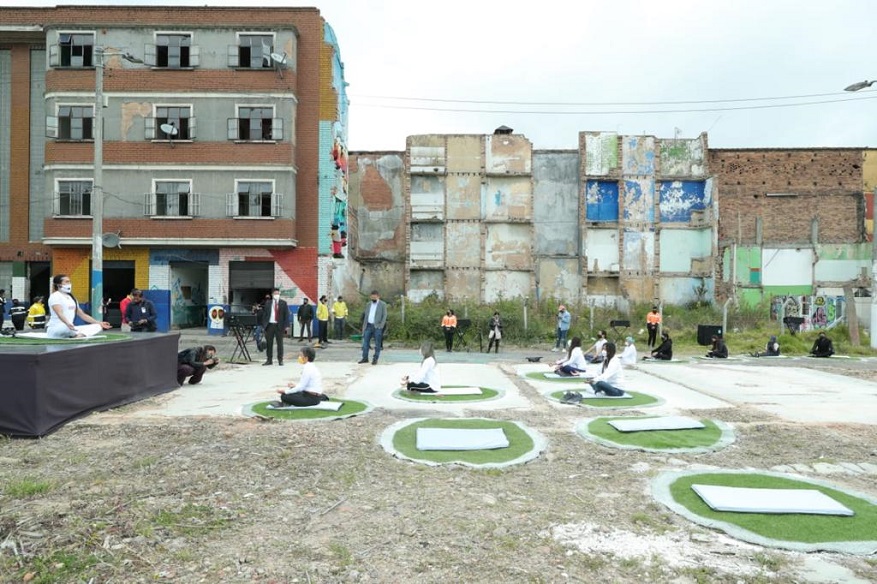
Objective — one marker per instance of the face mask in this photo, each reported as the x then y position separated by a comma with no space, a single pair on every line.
374,300
66,288
277,297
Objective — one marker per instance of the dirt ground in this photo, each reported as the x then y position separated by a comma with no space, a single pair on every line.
242,500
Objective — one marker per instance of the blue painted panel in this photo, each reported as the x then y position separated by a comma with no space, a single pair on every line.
162,301
639,200
679,198
601,200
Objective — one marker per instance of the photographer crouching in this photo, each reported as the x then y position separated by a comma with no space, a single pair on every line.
194,362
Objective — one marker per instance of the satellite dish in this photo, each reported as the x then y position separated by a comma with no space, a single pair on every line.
279,61
169,129
112,240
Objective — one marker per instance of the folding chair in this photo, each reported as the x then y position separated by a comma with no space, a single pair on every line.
463,325
619,327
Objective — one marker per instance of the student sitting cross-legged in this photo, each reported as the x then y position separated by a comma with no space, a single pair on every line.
609,381
575,360
309,389
426,379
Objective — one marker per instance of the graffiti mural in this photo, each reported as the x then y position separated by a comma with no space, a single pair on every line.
819,312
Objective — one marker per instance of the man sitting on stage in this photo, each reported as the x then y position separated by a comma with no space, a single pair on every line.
194,362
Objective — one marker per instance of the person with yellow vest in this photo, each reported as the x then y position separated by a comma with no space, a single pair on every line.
323,322
449,327
339,311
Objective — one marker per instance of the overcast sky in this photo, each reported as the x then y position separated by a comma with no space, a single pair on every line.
552,69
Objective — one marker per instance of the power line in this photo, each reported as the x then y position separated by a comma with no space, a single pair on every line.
596,103
613,112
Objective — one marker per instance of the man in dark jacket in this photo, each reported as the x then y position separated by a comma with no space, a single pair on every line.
822,346
305,317
274,319
194,362
140,313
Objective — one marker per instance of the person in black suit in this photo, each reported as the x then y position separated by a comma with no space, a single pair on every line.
274,319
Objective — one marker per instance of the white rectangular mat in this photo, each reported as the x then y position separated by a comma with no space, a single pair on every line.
590,395
661,423
746,500
460,391
461,439
332,406
89,330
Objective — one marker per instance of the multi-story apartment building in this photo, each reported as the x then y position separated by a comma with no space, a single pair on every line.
224,150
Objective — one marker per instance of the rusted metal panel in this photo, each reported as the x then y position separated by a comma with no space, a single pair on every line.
601,250
508,199
601,153
464,196
680,157
638,155
639,200
559,277
427,197
422,283
510,154
639,252
463,244
507,284
509,246
466,154
463,284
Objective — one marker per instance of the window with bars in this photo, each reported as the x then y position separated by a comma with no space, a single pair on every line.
173,51
73,198
253,51
172,199
180,117
254,199
73,122
73,50
255,124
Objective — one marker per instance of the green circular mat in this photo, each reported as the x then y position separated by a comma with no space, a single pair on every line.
639,400
802,532
400,439
350,408
713,436
486,394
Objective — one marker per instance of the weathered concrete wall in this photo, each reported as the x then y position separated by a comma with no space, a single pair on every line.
680,199
683,157
425,282
508,198
463,284
601,200
602,250
465,154
464,196
843,263
638,155
507,284
556,203
509,246
377,210
639,201
638,252
681,247
787,267
511,154
464,248
558,278
601,153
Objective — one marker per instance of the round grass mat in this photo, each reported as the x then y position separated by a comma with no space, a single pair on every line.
540,376
713,436
350,408
638,400
100,338
802,532
525,444
486,394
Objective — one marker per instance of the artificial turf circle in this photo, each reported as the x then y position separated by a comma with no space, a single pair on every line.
415,396
350,408
800,532
540,376
638,400
525,444
713,436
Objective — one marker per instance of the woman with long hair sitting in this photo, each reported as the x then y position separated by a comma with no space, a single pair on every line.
575,360
426,379
611,377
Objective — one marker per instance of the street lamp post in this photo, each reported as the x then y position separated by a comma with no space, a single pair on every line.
97,188
856,87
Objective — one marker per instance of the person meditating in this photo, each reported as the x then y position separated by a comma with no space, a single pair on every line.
426,379
575,360
611,378
64,309
822,346
719,350
309,389
664,352
772,349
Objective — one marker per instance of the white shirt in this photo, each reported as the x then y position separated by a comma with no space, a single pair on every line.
310,381
56,326
628,356
428,374
598,347
576,359
372,312
613,374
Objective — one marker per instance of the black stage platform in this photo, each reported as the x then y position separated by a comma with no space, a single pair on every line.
42,387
